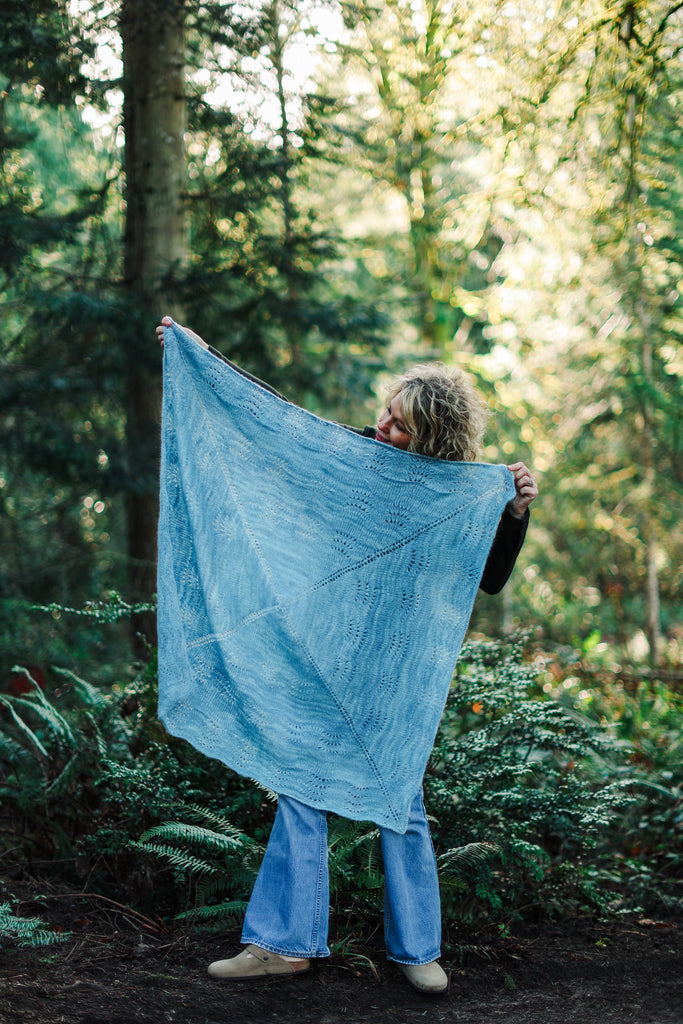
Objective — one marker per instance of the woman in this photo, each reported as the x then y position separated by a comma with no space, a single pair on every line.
436,412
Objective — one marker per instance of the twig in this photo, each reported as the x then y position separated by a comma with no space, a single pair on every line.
11,850
157,926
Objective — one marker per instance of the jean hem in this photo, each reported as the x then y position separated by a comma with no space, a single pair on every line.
415,963
308,955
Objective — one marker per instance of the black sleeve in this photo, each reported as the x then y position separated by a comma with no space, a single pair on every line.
503,554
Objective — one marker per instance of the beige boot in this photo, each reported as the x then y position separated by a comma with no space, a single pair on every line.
254,962
426,977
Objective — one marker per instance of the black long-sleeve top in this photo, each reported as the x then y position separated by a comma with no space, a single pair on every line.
510,534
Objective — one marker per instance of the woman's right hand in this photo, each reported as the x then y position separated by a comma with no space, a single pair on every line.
166,322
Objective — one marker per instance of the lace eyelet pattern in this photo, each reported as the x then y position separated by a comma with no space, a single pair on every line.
314,589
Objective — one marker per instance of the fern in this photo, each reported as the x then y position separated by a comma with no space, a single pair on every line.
48,716
185,862
225,872
93,697
527,797
471,855
25,729
355,862
219,821
185,832
42,707
229,911
62,783
517,773
13,752
26,931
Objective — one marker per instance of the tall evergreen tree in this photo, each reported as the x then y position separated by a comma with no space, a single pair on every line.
232,224
154,118
412,138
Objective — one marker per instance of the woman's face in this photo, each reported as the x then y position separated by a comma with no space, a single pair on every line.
390,427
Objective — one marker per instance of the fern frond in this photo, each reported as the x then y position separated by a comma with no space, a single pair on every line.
26,729
181,830
49,715
470,855
61,782
270,795
53,716
349,839
219,821
236,880
178,858
232,910
525,851
26,931
93,697
100,741
14,752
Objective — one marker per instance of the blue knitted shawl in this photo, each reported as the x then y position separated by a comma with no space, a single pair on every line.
314,589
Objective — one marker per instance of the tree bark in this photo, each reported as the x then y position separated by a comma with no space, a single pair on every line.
654,628
277,43
636,104
152,33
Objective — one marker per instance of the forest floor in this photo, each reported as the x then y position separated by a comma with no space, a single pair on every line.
115,969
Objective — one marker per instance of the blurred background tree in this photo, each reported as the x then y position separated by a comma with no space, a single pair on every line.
592,312
146,231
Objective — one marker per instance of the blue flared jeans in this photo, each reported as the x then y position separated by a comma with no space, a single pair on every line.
289,907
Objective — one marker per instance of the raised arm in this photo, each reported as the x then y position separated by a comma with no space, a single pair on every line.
511,531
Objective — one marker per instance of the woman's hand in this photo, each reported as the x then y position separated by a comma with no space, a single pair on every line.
166,322
526,489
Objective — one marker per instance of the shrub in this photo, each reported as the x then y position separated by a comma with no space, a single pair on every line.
643,714
521,790
83,772
530,793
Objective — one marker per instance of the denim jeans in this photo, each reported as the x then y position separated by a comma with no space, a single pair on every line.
289,907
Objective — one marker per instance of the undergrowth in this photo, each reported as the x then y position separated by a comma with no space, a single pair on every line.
537,807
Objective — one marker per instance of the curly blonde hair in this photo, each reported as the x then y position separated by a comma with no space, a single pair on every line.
443,413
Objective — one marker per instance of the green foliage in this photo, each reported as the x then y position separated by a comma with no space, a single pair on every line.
84,771
538,806
26,931
643,717
356,877
51,757
221,876
522,792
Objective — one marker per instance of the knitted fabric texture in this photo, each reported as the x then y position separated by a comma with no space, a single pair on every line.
314,589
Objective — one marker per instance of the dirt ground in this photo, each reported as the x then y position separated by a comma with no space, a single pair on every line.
117,969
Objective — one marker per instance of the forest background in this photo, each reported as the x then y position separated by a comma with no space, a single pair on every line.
328,191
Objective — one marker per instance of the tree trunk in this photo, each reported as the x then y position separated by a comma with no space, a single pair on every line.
636,103
152,32
277,43
654,629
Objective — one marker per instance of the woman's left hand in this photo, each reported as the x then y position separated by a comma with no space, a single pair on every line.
526,489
